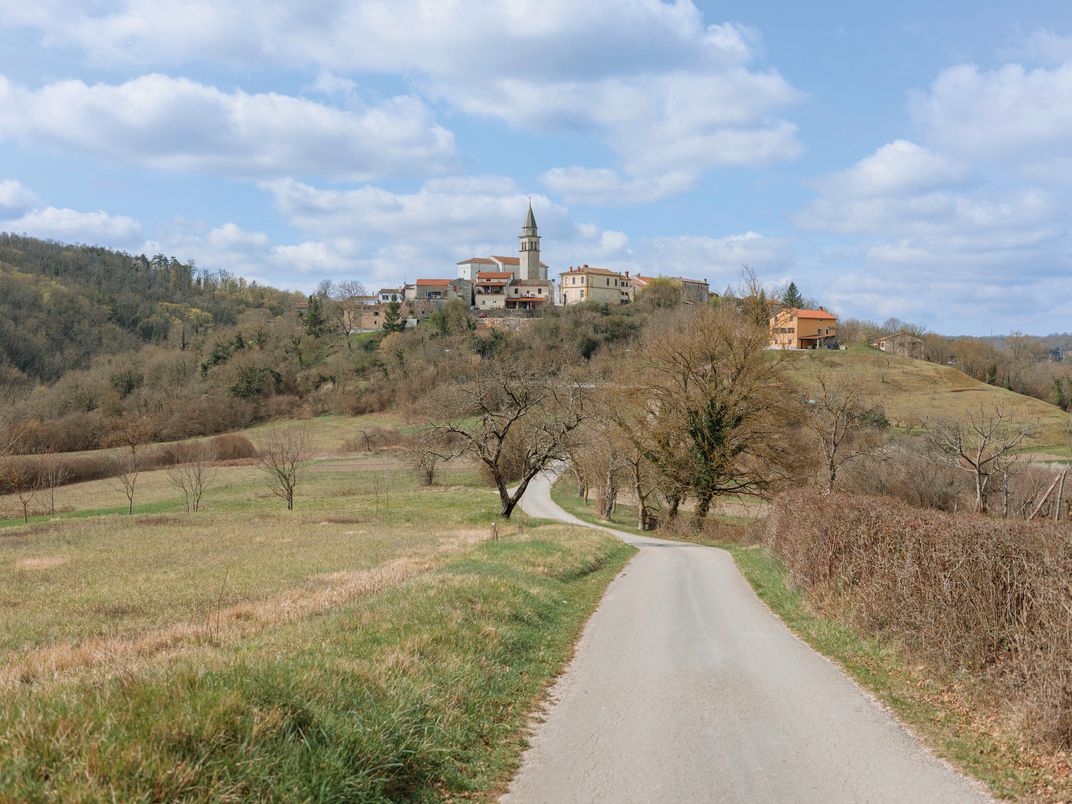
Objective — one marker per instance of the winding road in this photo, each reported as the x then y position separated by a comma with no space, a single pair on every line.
685,687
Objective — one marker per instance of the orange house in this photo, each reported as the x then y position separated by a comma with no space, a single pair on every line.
802,329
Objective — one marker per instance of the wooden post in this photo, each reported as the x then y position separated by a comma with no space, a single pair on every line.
1046,496
1060,494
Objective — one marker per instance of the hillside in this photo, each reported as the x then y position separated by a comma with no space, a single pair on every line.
913,391
62,305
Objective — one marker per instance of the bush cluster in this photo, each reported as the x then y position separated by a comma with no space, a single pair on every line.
990,596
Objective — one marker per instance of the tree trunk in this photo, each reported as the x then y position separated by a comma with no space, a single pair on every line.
673,501
290,499
699,517
642,505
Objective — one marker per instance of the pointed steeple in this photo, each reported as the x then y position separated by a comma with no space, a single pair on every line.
530,266
530,221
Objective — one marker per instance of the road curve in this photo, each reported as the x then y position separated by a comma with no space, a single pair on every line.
685,687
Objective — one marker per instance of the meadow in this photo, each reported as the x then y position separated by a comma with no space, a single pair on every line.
914,391
381,641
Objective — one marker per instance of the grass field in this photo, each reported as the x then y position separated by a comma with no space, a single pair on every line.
372,644
937,709
912,391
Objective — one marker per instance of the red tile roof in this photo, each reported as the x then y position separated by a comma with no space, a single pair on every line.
585,269
814,314
477,261
507,260
435,282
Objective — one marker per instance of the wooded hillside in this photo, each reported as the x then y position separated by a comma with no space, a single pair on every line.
62,305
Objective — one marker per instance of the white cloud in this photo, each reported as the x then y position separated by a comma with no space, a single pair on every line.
1012,116
897,168
904,193
463,37
68,225
179,124
672,95
682,120
719,260
606,187
1042,46
15,199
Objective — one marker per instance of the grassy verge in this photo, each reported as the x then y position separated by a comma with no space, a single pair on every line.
418,692
938,709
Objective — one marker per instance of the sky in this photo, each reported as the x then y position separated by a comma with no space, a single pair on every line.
909,160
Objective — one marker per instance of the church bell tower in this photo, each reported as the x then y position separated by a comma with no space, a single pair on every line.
530,267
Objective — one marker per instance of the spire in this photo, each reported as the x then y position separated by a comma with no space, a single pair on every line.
530,220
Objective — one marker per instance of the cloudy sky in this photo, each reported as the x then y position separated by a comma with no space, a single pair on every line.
912,159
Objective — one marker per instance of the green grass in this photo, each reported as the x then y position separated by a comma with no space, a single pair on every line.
89,575
420,692
370,645
912,391
918,696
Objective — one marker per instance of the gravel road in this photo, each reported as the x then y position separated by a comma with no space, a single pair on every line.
686,688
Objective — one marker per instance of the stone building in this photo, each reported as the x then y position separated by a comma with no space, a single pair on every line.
904,344
585,283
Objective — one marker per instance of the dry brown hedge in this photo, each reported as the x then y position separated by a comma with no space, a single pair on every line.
988,595
91,466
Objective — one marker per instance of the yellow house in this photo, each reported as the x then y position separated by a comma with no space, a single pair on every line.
802,329
585,283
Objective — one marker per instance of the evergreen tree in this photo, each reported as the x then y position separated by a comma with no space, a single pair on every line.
392,319
792,298
314,318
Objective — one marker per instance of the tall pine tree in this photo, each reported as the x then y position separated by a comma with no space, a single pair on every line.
314,318
791,298
392,318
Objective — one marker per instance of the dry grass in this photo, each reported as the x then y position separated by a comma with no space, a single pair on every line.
410,680
102,658
373,644
107,577
912,391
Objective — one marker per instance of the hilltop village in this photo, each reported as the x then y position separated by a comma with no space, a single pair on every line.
503,292
498,288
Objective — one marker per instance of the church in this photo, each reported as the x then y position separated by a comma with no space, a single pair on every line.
511,283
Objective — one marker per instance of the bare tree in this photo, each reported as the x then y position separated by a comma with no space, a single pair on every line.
54,473
840,418
23,477
514,419
980,444
130,437
424,451
11,432
599,457
127,469
706,407
343,295
194,472
284,458
644,483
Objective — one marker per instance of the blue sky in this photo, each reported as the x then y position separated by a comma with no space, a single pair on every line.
910,160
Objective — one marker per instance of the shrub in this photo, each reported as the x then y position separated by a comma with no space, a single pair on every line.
233,448
968,591
370,439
